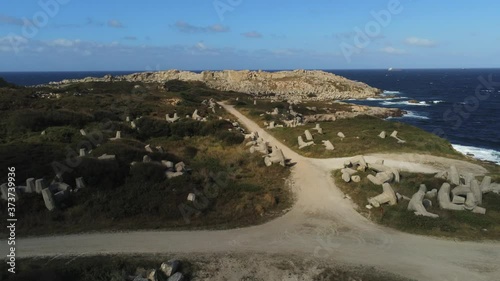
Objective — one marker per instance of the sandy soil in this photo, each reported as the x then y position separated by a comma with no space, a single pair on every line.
322,225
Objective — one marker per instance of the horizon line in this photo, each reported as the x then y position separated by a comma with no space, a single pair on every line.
242,69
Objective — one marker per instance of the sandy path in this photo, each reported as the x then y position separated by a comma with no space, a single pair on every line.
322,225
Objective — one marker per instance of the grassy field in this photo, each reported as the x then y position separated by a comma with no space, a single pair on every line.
234,187
361,137
453,224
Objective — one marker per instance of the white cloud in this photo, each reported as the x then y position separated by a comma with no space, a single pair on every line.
63,42
420,42
218,28
252,34
200,46
115,24
185,27
393,51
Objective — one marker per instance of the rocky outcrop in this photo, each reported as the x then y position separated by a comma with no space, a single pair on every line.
297,84
356,110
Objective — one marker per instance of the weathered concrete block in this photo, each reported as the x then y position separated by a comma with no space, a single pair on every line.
79,183
171,267
30,185
328,145
417,205
40,185
5,191
308,134
453,175
48,199
444,199
476,190
387,196
302,143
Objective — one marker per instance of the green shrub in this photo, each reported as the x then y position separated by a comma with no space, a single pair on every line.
104,115
99,174
150,128
147,172
230,138
34,120
61,134
176,86
190,152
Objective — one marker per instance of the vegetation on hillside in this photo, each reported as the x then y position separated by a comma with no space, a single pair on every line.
40,136
361,132
456,224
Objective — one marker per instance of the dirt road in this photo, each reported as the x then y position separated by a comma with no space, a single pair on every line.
322,225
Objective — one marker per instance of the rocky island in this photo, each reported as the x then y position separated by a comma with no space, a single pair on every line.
290,85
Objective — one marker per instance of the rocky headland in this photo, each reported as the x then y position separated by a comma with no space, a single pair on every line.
302,85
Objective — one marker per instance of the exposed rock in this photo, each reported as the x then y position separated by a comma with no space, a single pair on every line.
283,84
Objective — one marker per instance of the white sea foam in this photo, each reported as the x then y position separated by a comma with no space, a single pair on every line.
411,114
437,101
422,103
379,99
391,93
416,115
479,153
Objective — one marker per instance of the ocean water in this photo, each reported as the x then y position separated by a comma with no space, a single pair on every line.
461,105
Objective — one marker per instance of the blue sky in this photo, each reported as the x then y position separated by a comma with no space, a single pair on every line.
53,35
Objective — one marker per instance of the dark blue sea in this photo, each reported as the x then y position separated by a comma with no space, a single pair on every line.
461,105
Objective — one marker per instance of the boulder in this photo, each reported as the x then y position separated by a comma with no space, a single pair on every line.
341,135
382,135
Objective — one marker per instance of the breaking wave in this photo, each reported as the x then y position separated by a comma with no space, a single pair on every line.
479,153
